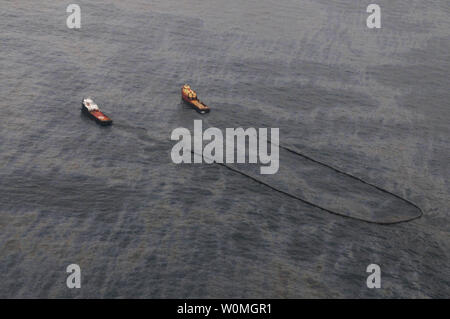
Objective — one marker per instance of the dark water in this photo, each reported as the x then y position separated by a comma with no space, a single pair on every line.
374,103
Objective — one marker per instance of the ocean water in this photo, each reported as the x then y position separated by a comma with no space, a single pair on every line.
372,102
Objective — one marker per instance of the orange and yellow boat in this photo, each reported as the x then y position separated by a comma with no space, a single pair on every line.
190,97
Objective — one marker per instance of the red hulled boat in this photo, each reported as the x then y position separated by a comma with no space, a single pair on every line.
92,110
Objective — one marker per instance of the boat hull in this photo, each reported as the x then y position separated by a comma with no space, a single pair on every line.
97,116
195,104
